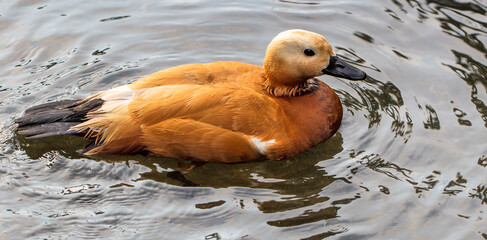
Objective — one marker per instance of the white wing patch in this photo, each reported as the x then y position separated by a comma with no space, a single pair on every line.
262,146
118,93
116,98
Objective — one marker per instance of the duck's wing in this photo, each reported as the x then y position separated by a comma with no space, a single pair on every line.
230,107
188,138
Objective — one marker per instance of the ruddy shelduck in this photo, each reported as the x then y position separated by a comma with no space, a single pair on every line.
213,112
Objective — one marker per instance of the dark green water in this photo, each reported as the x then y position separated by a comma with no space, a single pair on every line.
409,162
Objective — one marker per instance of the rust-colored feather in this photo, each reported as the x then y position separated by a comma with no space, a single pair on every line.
186,138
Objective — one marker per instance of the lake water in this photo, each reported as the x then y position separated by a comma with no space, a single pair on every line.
409,161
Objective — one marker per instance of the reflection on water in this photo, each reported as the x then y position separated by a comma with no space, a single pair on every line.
379,98
267,174
410,156
473,73
463,20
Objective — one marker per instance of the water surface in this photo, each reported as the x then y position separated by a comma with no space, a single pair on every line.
409,161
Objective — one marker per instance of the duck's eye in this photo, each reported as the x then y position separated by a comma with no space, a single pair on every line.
309,52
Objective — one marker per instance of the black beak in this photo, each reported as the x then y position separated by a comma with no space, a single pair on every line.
339,68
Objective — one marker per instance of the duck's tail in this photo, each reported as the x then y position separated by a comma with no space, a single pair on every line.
56,118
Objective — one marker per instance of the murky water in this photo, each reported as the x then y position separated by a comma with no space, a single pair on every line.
409,162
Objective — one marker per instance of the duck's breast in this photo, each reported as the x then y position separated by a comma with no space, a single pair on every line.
309,120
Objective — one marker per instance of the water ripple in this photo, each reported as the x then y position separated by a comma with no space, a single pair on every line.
410,155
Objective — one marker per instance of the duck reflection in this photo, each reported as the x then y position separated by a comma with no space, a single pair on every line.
278,175
297,184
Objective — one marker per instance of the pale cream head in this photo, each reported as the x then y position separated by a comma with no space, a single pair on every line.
295,56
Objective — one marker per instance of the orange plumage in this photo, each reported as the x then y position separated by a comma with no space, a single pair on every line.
223,111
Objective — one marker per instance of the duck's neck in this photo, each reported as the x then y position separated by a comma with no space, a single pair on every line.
281,90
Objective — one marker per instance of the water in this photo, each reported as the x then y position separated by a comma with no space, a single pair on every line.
409,161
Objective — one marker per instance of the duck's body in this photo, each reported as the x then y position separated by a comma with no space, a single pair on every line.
214,112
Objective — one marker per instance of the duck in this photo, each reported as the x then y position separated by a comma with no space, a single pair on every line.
226,112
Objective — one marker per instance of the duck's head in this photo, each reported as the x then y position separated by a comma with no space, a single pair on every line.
295,57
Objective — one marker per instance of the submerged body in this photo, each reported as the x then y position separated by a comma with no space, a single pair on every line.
214,112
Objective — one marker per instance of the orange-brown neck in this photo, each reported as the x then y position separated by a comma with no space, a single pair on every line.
281,90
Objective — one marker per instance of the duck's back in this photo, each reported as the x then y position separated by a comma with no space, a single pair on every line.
228,73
